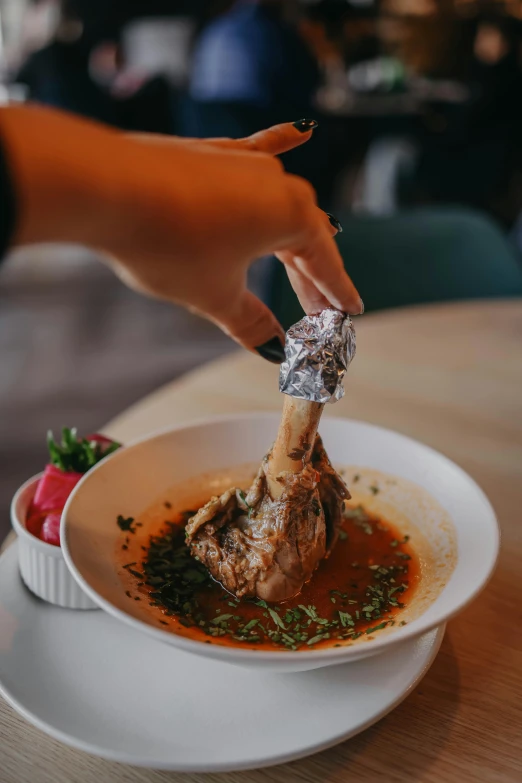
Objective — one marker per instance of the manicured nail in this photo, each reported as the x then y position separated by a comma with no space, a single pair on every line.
361,304
272,350
303,126
335,223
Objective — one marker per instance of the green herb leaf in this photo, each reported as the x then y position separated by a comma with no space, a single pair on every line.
244,500
275,617
125,523
346,619
288,639
315,639
310,611
77,455
377,627
222,618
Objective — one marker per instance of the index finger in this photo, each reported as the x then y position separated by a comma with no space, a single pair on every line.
273,141
316,256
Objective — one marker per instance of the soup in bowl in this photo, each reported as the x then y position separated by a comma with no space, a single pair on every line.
418,541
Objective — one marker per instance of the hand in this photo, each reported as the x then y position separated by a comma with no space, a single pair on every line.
240,221
181,219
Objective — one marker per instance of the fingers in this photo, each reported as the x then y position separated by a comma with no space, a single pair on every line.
321,262
274,140
311,299
250,323
313,253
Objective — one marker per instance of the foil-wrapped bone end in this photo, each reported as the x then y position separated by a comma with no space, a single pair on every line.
318,351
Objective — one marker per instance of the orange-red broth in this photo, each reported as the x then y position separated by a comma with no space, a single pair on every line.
359,590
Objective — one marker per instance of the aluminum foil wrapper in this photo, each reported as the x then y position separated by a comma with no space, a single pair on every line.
318,350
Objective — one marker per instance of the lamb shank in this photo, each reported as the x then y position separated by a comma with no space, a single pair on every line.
268,542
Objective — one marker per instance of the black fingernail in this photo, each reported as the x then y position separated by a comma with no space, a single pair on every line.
272,350
335,223
303,126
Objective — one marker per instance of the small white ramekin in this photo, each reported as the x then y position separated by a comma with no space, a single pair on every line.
42,565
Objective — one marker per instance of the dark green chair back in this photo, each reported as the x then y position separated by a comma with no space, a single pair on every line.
417,257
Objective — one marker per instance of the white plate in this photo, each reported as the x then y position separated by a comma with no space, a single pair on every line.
98,685
449,519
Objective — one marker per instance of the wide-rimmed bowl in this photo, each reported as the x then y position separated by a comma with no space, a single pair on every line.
451,522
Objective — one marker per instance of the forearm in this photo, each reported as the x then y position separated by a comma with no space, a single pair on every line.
65,172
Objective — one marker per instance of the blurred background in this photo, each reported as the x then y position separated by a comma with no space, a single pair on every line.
418,153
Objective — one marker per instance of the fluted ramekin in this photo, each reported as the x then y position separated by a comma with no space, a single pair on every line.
42,565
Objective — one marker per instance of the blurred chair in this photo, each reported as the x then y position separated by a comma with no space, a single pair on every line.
417,257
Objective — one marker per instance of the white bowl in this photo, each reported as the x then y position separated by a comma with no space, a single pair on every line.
42,565
452,523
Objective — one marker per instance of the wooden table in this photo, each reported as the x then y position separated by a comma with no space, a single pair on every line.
450,376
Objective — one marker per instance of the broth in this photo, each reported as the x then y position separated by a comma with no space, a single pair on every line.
357,591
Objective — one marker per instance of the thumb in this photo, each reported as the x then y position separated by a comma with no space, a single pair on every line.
250,323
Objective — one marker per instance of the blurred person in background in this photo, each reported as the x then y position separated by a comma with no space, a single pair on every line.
58,73
253,55
252,68
476,160
496,73
495,118
81,69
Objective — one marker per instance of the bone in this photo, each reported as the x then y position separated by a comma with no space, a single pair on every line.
294,442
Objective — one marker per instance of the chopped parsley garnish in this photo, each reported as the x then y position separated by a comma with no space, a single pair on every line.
376,627
125,523
221,619
275,617
366,601
310,611
346,619
245,502
315,639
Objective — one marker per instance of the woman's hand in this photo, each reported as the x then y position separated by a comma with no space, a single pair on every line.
180,219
